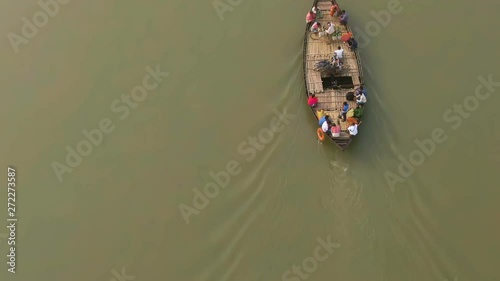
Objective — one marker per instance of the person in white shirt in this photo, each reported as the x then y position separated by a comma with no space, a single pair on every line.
360,98
325,126
329,32
315,9
340,53
353,129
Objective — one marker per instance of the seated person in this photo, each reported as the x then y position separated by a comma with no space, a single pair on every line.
330,31
325,126
335,130
334,10
358,112
360,98
324,119
317,11
312,101
343,17
353,129
316,27
350,113
353,44
311,17
352,120
360,89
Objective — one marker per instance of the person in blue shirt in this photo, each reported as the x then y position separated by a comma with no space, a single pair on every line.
323,120
343,17
345,108
353,44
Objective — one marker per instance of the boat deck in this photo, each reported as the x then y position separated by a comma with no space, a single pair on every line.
317,49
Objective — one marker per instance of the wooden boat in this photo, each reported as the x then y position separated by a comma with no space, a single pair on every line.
331,87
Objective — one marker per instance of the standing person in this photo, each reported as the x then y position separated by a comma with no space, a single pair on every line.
343,17
340,53
335,60
345,108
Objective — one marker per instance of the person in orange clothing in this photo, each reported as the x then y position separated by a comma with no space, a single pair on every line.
334,9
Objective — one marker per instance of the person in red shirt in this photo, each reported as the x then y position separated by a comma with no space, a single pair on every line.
312,101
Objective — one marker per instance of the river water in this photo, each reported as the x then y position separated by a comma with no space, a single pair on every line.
224,115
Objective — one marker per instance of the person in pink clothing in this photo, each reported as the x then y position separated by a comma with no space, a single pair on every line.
311,17
335,131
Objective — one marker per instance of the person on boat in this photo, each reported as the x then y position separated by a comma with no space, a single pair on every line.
360,98
358,112
339,52
311,17
353,44
334,10
343,17
312,101
335,130
336,62
352,120
353,129
322,120
359,90
317,11
345,108
320,113
326,126
316,27
350,113
330,31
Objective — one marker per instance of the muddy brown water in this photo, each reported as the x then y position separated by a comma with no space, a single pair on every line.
414,198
